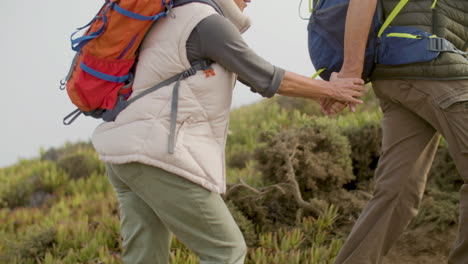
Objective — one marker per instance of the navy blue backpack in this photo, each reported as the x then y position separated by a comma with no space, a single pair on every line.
386,44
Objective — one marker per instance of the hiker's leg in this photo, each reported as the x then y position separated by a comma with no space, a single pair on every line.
444,105
198,218
409,145
145,238
457,137
450,116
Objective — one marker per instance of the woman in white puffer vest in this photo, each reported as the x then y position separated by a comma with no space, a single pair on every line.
161,193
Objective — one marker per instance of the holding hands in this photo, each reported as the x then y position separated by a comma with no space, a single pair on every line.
335,104
337,93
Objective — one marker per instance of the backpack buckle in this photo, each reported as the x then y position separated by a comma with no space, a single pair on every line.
169,10
97,113
111,115
443,45
189,72
437,44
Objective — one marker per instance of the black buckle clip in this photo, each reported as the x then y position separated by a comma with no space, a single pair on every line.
438,45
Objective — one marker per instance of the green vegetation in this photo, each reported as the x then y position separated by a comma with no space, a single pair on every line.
297,182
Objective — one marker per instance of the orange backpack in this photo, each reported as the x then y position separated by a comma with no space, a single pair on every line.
100,79
101,71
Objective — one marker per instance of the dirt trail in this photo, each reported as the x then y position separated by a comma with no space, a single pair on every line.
400,259
422,247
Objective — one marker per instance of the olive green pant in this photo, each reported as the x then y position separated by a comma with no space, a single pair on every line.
155,203
415,114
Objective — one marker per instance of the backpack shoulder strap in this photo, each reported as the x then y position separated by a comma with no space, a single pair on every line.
392,16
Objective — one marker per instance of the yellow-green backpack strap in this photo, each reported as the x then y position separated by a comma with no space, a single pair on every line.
311,5
392,16
318,73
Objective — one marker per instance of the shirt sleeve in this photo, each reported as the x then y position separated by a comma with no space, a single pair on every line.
217,39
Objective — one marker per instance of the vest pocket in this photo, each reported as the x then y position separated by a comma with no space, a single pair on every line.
179,135
457,119
452,96
454,105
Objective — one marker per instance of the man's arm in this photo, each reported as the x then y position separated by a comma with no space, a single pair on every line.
358,22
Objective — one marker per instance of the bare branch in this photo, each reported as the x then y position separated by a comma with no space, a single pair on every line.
313,206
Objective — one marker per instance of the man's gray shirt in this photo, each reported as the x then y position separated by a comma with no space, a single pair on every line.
217,39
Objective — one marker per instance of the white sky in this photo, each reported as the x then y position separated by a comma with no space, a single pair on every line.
37,54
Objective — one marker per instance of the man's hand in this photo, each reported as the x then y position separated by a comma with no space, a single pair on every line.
332,106
347,90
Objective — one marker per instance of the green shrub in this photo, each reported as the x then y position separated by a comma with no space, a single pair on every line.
444,174
81,164
29,183
318,154
239,157
249,174
365,140
247,124
30,246
310,242
439,210
299,167
54,154
305,106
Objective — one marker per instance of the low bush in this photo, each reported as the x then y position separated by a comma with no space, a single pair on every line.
299,167
444,174
29,183
29,246
81,164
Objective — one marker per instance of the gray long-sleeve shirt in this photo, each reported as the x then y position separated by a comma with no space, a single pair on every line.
217,39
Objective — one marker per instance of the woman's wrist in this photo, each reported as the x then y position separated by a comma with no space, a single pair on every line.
296,85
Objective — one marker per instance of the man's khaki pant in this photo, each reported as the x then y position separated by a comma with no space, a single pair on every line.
155,203
416,113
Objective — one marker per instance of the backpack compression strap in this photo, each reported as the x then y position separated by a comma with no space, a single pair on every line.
443,45
78,43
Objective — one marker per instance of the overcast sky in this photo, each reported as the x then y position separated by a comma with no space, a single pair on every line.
36,55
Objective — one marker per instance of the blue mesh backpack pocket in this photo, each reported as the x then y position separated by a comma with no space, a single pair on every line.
326,37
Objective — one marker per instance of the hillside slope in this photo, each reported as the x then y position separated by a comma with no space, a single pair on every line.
297,182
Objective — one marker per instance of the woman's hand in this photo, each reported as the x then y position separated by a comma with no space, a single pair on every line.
346,89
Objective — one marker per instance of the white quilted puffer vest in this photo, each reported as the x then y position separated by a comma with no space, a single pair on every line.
141,132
